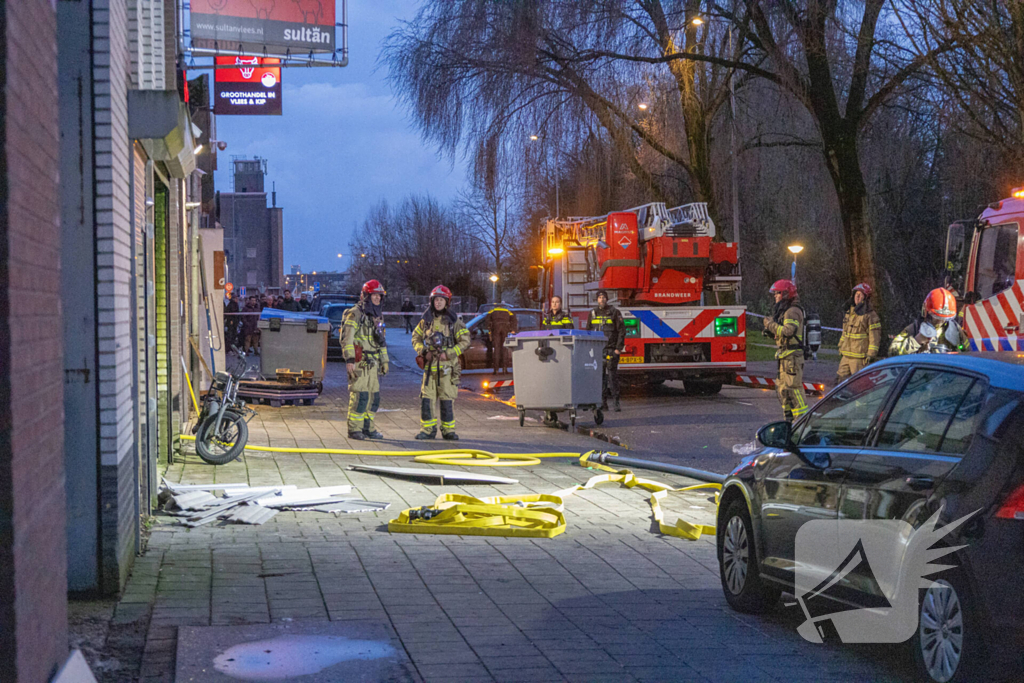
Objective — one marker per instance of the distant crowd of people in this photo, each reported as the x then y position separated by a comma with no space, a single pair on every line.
243,330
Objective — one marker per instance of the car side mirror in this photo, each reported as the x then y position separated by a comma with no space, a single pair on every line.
776,435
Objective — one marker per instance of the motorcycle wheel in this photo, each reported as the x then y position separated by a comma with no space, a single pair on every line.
222,448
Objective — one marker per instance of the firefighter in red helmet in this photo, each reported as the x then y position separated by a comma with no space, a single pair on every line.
439,339
935,331
364,348
862,334
786,326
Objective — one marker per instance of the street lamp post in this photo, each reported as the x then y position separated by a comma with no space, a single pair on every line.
794,249
494,289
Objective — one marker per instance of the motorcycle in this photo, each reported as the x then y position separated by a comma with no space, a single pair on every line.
222,429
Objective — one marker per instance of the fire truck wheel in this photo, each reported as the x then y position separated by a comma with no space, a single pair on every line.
522,417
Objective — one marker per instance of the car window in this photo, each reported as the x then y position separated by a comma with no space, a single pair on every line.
923,410
843,418
528,321
335,313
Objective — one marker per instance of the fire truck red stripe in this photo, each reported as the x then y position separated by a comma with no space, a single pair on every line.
993,318
1008,311
703,319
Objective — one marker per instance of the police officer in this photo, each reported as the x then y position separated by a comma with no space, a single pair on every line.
786,325
500,321
862,334
606,318
935,331
557,318
364,348
439,339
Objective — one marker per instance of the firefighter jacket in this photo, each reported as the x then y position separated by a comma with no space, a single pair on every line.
609,320
949,337
501,319
438,333
558,321
359,329
862,333
787,327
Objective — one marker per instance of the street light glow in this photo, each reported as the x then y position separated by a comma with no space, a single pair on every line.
534,137
642,106
795,249
339,255
697,21
494,278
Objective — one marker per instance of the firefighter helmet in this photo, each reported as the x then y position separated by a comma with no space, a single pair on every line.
864,288
373,287
940,304
441,291
784,287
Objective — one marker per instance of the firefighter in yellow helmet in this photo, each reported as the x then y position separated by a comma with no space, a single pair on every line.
365,351
862,334
439,339
786,326
936,331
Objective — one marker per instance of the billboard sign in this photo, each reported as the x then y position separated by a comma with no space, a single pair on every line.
298,26
254,88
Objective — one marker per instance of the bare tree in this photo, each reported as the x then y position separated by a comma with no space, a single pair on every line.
475,71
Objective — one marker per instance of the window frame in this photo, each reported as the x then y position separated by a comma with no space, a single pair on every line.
890,403
977,255
904,370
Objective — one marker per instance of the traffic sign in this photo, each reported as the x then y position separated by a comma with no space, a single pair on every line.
316,286
242,292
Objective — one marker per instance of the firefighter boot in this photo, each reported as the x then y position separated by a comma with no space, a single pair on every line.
618,408
428,423
448,420
369,430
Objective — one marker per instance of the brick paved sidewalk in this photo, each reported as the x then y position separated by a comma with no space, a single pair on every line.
610,599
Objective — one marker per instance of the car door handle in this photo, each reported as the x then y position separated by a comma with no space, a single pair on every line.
920,483
835,472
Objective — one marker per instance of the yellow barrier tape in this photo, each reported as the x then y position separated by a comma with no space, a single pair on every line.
524,517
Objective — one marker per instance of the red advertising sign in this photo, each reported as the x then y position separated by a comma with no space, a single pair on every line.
254,88
259,25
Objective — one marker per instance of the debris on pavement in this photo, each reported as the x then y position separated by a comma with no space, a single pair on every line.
434,476
196,504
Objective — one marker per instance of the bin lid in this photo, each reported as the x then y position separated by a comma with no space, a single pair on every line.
545,334
292,316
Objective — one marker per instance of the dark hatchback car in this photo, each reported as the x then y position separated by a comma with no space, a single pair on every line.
906,439
478,355
334,312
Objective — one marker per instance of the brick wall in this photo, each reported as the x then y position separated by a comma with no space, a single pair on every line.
33,584
114,254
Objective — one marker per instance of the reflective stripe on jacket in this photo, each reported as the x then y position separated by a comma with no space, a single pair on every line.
559,321
609,321
862,334
357,330
790,333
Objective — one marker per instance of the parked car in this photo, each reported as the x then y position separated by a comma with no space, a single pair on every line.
478,355
905,439
334,312
320,300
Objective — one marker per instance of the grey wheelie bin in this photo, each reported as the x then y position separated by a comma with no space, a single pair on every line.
293,342
558,370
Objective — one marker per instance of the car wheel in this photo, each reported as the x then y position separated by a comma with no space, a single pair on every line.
744,589
947,647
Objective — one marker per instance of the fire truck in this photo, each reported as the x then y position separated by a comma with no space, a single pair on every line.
664,270
985,270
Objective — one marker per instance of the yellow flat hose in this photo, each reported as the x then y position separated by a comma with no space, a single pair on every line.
537,515
465,452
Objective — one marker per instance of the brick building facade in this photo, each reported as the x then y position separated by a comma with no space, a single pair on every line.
33,608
